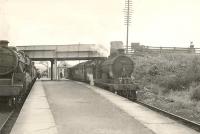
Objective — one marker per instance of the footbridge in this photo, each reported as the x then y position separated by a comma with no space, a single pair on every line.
54,53
64,52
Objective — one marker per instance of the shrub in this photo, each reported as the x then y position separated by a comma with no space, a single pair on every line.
193,70
195,93
170,71
153,70
156,89
174,82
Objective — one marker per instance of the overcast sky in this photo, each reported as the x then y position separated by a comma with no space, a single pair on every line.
154,22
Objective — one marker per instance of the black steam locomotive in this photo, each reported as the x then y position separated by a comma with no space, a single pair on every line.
17,74
113,73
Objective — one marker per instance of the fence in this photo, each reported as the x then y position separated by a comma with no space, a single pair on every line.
156,50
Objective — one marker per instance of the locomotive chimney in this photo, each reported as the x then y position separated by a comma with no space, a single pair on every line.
4,43
115,46
121,51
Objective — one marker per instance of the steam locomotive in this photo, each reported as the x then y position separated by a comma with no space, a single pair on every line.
113,73
17,74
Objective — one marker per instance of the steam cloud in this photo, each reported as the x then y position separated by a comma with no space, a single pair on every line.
3,21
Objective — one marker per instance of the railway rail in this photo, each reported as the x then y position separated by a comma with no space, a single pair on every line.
5,117
187,122
8,115
191,124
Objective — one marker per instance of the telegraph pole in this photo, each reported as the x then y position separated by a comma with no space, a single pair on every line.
127,19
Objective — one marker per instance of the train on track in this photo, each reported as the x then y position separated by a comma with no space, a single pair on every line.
113,73
17,74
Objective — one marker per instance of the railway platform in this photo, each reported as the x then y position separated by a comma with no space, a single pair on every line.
35,116
61,107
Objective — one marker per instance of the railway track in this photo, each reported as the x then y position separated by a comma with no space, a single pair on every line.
191,124
5,115
8,116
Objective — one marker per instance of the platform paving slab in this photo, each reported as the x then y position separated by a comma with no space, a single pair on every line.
35,116
79,110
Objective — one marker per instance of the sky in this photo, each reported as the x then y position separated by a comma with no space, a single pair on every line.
172,23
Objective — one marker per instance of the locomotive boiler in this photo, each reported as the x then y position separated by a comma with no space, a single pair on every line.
17,74
119,66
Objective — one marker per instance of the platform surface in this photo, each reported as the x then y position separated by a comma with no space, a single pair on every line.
79,110
35,116
68,107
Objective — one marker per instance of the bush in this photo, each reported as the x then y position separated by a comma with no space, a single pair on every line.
195,93
193,70
153,71
174,82
170,71
156,89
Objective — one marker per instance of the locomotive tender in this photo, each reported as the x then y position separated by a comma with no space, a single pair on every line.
113,73
17,74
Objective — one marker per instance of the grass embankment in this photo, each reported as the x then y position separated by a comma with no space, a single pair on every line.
170,82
